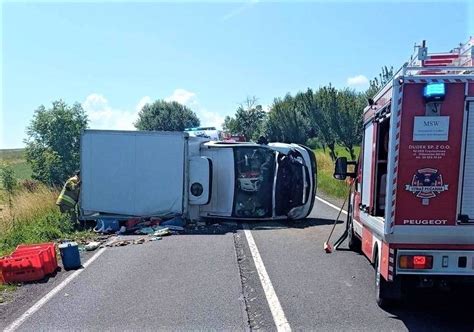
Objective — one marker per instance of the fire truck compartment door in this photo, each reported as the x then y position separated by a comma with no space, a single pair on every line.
467,201
367,164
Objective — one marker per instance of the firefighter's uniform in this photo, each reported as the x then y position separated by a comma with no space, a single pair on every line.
69,197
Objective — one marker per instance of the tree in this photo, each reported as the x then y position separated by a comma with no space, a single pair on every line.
347,120
167,116
378,82
249,119
53,141
9,181
321,114
287,122
230,125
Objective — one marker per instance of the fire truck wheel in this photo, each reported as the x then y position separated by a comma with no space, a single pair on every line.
381,287
353,241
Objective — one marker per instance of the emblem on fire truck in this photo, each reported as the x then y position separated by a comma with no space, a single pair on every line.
426,183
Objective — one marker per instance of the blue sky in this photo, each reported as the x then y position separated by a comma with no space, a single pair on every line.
115,56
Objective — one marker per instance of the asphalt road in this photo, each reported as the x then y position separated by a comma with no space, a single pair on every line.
209,281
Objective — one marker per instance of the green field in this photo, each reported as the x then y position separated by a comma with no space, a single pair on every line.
12,154
17,159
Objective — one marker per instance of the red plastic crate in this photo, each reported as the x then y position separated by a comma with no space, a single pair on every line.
29,263
22,268
50,246
49,257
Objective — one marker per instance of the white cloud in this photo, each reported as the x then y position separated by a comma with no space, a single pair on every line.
145,100
358,82
210,119
189,98
182,96
103,116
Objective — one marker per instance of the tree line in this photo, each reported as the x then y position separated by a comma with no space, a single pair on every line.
326,115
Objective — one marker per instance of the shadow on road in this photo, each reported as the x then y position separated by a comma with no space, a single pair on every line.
219,227
434,310
311,222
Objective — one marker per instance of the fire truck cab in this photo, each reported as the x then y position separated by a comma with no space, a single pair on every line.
411,209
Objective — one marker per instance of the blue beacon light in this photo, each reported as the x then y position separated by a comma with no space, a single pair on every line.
434,92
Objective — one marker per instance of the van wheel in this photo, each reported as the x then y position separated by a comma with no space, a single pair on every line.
382,287
353,241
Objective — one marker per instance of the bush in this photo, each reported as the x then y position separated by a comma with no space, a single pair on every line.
29,185
313,143
8,180
49,226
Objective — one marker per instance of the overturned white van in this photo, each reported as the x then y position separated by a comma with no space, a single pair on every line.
137,173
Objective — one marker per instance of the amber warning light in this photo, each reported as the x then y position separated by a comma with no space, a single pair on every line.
417,262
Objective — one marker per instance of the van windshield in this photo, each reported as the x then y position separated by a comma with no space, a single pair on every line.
255,171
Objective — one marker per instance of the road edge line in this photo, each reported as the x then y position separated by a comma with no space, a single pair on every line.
330,204
279,317
35,307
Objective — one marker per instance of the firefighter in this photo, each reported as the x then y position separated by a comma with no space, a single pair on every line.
69,196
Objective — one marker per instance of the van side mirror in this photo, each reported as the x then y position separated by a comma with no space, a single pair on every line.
340,169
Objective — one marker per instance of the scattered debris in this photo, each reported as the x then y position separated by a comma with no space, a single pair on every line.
229,223
131,223
162,231
141,240
145,230
175,228
92,246
176,221
107,226
118,243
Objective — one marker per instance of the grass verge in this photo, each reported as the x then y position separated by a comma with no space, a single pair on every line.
326,181
33,218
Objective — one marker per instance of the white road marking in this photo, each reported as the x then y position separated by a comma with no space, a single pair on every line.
275,307
16,324
331,205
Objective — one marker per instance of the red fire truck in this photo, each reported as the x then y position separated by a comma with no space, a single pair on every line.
411,209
